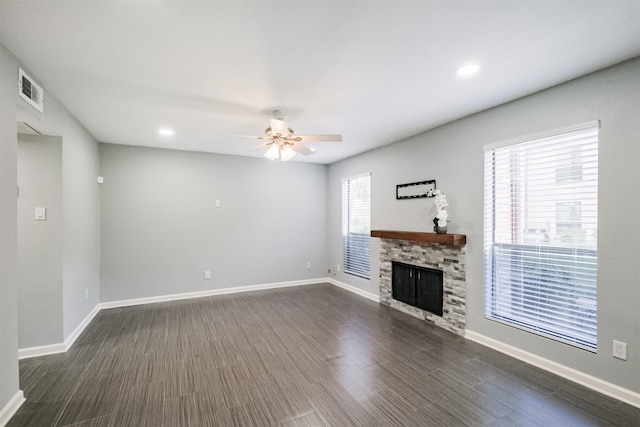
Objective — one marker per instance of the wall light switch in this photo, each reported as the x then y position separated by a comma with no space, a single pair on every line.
41,214
100,180
218,203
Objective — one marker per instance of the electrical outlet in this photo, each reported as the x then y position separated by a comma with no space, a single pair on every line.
308,265
207,275
329,271
338,267
620,350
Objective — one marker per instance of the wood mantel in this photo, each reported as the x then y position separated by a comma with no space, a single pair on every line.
457,240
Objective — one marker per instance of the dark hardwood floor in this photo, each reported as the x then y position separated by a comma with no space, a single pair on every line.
305,356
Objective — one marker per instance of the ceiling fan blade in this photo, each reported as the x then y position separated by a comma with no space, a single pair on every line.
236,136
304,150
320,138
247,136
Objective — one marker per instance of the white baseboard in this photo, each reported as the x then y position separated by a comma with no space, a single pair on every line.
46,350
601,386
358,291
11,408
207,293
41,350
78,330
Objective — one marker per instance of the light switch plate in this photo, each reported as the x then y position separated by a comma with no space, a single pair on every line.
41,214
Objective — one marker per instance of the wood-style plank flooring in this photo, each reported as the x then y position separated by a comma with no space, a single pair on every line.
303,356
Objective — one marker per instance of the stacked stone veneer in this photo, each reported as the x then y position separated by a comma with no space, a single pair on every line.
449,259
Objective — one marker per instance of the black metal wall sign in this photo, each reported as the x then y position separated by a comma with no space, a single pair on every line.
415,190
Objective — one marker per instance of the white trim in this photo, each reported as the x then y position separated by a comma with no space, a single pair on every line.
46,350
601,386
207,293
355,290
76,333
544,134
41,350
11,407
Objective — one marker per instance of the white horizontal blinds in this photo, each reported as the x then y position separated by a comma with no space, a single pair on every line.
540,242
356,225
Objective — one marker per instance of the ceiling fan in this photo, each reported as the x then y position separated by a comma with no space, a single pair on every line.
281,142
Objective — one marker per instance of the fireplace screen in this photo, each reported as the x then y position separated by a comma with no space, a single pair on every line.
417,286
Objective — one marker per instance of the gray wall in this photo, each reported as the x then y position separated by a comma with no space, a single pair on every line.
81,207
452,154
8,228
39,242
80,222
161,229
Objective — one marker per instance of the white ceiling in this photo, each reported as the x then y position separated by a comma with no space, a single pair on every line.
374,71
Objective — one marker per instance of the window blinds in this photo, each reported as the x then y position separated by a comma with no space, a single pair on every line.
356,225
540,234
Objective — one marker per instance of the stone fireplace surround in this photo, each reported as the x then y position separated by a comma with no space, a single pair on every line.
444,252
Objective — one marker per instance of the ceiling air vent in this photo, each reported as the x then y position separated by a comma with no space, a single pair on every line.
30,91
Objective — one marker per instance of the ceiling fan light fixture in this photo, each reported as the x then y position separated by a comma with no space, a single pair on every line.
287,153
273,152
281,143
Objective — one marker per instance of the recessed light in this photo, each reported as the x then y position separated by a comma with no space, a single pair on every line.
467,70
165,132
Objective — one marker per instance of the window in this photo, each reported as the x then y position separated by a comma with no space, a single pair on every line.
569,220
568,165
356,225
540,241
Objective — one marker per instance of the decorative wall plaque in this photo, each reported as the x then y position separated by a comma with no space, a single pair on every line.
415,190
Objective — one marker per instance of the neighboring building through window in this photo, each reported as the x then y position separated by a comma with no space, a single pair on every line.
540,241
568,165
569,221
356,225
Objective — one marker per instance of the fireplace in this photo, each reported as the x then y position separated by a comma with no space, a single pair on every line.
417,286
417,253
